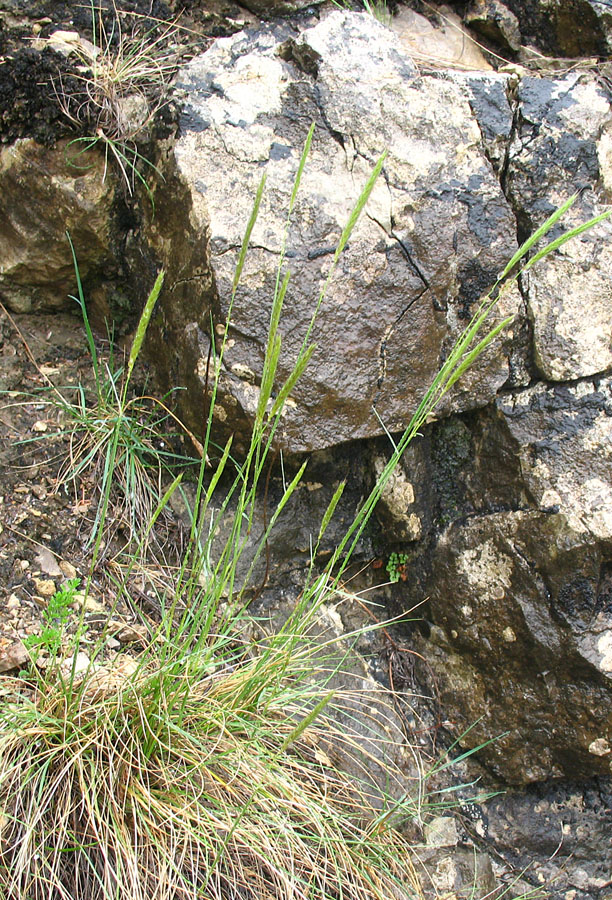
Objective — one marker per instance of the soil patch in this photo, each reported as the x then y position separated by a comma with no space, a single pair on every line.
45,519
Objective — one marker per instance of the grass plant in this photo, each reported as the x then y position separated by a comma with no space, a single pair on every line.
378,9
124,82
217,763
119,444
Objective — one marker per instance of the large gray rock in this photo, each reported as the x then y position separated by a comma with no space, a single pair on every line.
436,232
514,554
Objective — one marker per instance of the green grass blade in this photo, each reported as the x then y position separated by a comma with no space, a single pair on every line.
291,381
331,508
300,171
143,324
306,721
473,355
359,206
90,338
525,247
247,235
564,238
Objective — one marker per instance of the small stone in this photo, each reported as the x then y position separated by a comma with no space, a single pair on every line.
40,427
45,586
39,491
23,564
81,664
47,563
13,602
129,634
600,747
441,832
67,569
13,657
509,635
91,604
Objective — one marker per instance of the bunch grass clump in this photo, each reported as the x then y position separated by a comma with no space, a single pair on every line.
191,783
217,763
119,443
123,82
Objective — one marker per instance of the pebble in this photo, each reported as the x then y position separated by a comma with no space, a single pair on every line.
13,656
129,634
81,665
91,604
47,563
67,569
45,586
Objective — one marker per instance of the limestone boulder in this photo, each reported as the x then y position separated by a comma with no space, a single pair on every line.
434,235
41,197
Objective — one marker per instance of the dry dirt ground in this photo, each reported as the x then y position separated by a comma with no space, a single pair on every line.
45,518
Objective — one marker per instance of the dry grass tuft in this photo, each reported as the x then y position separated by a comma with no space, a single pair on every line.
123,83
168,785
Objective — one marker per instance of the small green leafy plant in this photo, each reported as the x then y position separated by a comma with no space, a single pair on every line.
55,618
396,567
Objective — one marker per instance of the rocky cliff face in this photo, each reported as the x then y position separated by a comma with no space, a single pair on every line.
516,565
502,509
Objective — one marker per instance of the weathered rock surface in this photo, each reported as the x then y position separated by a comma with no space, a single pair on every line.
436,231
563,142
519,579
42,197
494,21
558,835
565,27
